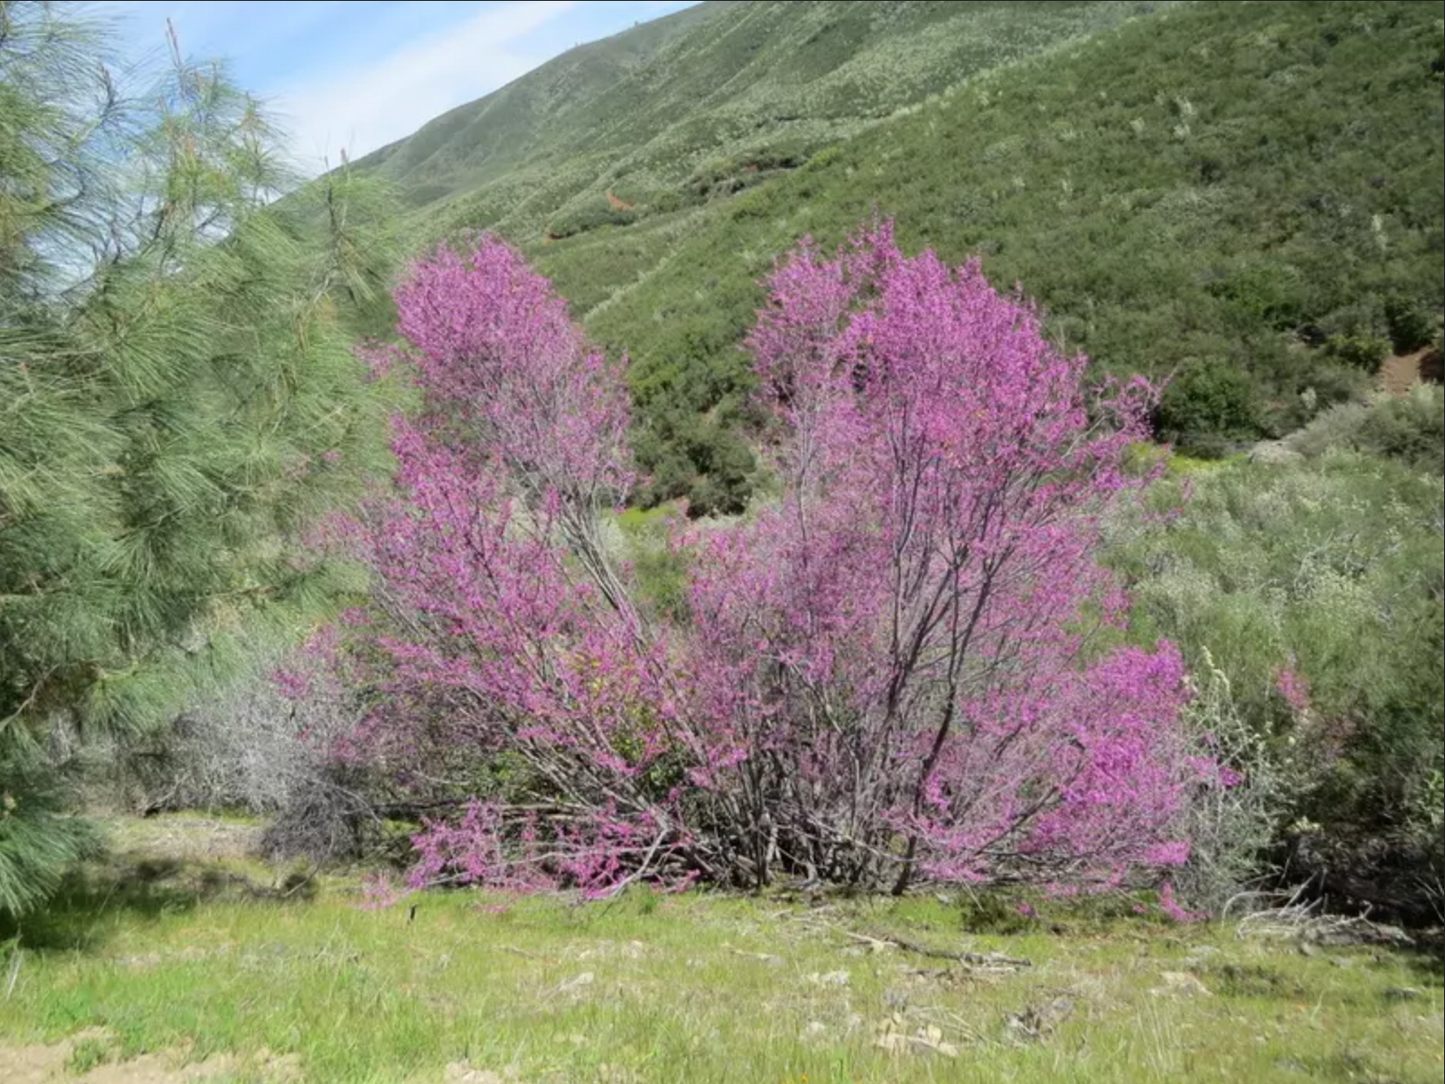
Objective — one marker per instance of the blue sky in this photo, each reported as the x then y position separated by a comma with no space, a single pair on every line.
359,74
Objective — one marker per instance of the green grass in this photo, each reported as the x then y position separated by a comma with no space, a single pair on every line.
691,988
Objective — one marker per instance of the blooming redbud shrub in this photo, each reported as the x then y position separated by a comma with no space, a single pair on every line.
896,671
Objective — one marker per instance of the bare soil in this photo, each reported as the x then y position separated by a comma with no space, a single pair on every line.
1401,372
44,1063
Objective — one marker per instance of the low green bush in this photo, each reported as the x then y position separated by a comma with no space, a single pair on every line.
1315,587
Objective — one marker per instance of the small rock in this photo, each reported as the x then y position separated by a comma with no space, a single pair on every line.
831,978
764,957
892,1041
931,1038
1036,1022
895,999
1181,982
926,1040
459,1072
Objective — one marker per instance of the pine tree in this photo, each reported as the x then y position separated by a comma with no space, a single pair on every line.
178,399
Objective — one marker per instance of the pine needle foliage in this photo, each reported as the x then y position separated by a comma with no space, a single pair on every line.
178,397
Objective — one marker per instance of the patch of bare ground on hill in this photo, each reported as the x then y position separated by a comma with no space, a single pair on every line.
1401,372
93,1057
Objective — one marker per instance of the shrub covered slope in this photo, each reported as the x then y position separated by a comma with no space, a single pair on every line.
1246,197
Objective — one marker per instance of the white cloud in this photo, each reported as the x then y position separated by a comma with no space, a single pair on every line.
370,105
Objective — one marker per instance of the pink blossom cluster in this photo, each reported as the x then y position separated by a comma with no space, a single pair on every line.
1294,688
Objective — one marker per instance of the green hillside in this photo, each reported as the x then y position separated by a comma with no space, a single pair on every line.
702,101
1246,197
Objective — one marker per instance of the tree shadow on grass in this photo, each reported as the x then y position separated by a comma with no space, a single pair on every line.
1427,957
82,916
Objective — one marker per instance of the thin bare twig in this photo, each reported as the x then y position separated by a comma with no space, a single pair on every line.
14,972
972,959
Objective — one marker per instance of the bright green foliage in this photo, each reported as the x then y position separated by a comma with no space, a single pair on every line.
1207,186
659,569
178,398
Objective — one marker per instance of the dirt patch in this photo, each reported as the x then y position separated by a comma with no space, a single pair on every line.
93,1057
187,838
44,1064
1403,371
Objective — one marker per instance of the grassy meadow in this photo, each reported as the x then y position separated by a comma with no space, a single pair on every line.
182,959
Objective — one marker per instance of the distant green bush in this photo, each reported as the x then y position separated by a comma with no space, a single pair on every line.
726,176
1207,407
591,215
1411,326
1317,587
1363,351
1264,294
1409,428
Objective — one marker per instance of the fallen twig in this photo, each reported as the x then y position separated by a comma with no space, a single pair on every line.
1303,921
971,959
14,973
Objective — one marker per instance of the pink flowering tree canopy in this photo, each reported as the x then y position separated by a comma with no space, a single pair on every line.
897,670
